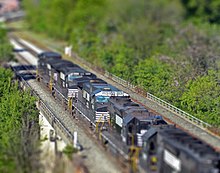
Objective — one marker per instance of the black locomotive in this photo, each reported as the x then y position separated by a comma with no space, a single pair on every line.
127,128
169,149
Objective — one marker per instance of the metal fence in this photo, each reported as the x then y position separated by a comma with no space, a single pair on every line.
55,120
159,101
178,111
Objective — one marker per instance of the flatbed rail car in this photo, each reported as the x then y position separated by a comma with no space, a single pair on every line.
124,125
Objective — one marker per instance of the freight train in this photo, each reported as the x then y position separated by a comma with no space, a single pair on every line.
127,129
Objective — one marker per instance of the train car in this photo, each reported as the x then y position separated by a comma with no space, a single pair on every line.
48,54
170,149
93,98
47,68
165,148
67,82
42,67
131,120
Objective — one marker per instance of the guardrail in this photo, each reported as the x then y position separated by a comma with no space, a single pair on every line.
159,101
178,111
119,80
46,110
147,95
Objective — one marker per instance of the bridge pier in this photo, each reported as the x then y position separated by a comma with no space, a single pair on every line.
51,143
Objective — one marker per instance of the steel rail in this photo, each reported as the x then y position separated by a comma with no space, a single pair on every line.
42,106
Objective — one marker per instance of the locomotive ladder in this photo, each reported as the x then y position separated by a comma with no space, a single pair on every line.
70,103
134,155
99,130
51,82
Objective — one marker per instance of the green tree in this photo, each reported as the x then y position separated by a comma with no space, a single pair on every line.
5,47
206,10
155,76
202,98
19,128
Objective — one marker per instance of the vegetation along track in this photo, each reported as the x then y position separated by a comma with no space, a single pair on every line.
193,129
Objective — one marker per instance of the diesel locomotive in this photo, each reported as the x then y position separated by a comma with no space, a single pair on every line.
127,128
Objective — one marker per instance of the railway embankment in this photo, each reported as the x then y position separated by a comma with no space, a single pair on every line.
102,161
189,125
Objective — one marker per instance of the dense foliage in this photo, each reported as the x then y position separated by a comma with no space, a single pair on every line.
19,121
206,10
5,47
18,128
151,43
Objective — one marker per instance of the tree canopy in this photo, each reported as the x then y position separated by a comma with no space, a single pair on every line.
5,47
206,10
18,128
19,121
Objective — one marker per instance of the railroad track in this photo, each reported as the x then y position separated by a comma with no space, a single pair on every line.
66,125
25,72
191,126
42,106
